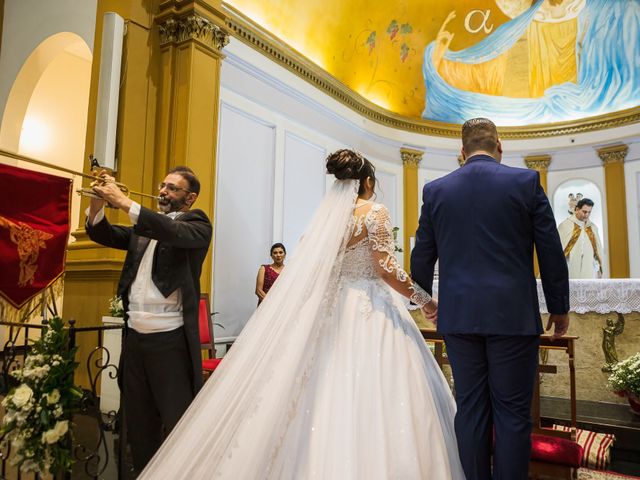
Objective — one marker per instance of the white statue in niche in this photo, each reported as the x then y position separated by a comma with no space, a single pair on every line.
581,240
573,200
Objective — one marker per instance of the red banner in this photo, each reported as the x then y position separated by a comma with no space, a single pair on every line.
34,231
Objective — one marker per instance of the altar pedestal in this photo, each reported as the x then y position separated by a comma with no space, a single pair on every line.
605,314
112,343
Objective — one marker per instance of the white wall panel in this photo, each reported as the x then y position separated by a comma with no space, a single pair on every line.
389,193
386,193
244,214
304,186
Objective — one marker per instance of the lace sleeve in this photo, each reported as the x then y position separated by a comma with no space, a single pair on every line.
378,223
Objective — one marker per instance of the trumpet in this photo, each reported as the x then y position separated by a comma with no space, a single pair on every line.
86,192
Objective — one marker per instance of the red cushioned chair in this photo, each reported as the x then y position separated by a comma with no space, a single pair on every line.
554,453
210,363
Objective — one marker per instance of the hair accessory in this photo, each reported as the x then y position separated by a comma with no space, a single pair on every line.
359,156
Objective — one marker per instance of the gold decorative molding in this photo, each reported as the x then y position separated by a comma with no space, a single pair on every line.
411,156
192,27
274,48
539,163
168,31
461,160
613,154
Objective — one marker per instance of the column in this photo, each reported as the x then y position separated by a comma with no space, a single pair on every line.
410,161
540,163
191,42
616,198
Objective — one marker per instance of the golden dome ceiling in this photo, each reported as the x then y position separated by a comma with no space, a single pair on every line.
520,62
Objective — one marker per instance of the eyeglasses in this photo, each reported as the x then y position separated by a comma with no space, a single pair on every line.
172,188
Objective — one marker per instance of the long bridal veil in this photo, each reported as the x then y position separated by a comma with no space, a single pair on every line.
251,406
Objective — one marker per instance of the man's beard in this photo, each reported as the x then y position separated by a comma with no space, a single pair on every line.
167,206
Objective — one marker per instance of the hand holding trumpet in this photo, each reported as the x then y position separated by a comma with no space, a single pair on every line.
105,187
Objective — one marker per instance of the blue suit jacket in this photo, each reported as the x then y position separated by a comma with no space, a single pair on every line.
482,221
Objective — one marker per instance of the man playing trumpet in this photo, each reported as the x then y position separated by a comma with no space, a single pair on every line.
160,366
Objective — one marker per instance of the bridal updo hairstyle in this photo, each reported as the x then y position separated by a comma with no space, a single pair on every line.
347,164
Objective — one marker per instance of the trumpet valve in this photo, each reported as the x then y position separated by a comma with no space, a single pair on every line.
87,192
123,188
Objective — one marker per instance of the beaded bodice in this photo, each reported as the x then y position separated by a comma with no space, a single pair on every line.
370,254
358,263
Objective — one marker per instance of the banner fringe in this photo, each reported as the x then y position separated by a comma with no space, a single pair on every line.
9,313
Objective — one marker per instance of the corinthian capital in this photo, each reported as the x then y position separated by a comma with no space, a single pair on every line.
613,154
539,163
193,26
411,156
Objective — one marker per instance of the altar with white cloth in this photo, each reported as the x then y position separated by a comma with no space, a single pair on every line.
605,314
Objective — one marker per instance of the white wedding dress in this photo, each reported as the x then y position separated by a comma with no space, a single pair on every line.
330,379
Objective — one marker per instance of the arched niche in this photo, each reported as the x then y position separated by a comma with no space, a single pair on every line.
46,112
581,188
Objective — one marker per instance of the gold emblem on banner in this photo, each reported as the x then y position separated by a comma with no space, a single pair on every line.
29,241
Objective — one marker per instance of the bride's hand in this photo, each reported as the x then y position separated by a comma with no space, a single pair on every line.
430,311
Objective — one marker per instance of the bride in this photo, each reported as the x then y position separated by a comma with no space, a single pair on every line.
330,378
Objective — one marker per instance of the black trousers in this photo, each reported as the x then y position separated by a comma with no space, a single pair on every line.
494,378
157,389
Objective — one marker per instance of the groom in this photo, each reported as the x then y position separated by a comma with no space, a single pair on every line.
482,222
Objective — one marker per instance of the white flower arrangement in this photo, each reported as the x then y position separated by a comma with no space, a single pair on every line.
116,308
38,411
625,376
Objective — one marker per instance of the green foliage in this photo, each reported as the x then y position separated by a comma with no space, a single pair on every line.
38,411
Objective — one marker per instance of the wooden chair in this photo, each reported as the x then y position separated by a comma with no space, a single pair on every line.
431,336
205,324
554,453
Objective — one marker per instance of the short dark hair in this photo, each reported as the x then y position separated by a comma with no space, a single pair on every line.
189,176
585,201
277,245
479,134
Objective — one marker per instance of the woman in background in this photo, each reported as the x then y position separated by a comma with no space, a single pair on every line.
268,274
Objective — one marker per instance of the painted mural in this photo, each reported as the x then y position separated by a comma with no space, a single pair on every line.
519,62
554,60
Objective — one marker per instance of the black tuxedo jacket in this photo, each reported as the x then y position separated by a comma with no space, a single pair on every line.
177,263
